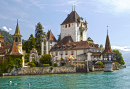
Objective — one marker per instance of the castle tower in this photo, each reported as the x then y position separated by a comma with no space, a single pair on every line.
108,56
75,27
17,37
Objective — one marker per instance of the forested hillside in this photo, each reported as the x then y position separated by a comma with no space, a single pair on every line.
7,37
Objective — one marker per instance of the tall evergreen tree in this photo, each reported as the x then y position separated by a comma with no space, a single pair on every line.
38,36
32,41
29,44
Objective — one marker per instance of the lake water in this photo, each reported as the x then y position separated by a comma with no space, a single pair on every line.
119,79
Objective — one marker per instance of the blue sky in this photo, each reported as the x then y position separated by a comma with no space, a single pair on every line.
51,13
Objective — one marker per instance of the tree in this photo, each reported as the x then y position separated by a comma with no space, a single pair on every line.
89,39
32,42
38,36
119,57
26,46
29,44
59,37
45,59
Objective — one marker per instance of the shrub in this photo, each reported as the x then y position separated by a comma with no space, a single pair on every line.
100,63
52,68
45,59
55,64
31,64
46,65
75,59
72,65
62,59
82,62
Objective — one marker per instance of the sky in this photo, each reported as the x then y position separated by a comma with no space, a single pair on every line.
51,13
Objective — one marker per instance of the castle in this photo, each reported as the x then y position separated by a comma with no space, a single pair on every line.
74,44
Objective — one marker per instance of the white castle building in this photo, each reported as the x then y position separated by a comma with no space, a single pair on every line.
74,42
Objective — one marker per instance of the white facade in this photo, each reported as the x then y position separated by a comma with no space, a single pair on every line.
80,54
78,31
46,45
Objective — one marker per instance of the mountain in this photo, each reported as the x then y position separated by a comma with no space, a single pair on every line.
8,38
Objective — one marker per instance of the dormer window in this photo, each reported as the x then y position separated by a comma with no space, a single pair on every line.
69,25
66,26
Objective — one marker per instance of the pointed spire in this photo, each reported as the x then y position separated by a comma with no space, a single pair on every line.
107,46
17,32
107,30
72,8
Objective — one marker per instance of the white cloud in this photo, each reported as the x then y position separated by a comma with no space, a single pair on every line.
7,29
115,5
123,48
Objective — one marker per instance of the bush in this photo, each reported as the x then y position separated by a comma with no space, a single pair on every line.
46,65
55,64
31,64
72,65
45,59
100,63
52,68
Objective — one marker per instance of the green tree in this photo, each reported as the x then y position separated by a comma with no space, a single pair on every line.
45,59
59,37
29,44
31,64
38,36
26,46
32,42
119,57
89,39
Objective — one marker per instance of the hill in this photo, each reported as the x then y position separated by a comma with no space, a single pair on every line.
8,38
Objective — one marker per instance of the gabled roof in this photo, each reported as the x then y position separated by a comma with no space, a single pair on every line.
17,31
51,37
3,49
65,40
13,50
72,17
107,47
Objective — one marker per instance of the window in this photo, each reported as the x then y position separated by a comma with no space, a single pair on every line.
66,53
66,26
69,25
16,40
72,52
81,33
56,53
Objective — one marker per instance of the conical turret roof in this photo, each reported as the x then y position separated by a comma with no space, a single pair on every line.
108,49
17,31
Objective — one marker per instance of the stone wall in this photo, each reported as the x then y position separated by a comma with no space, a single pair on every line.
43,70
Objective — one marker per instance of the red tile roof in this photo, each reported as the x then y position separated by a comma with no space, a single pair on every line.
72,17
51,37
13,50
67,44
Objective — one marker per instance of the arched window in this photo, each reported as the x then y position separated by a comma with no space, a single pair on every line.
16,40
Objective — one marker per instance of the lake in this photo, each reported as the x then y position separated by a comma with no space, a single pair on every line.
119,79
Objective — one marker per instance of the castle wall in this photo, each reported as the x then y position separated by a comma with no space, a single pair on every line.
69,31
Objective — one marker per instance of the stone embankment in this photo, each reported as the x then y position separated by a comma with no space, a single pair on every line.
43,70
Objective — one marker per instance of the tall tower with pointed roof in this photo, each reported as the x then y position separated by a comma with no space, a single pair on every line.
75,27
17,37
